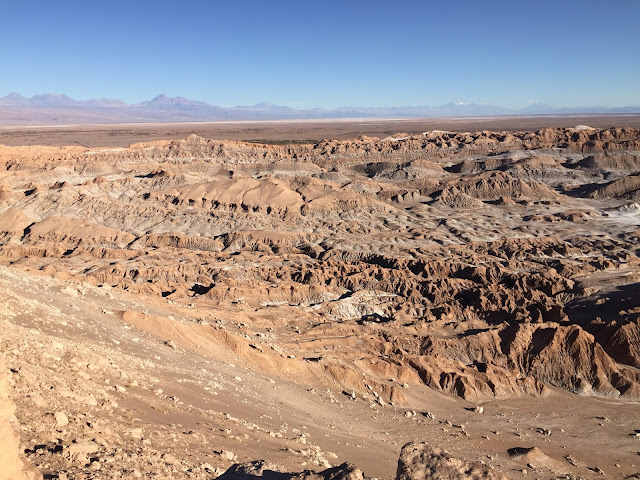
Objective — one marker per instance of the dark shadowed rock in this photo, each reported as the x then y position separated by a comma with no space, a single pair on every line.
268,471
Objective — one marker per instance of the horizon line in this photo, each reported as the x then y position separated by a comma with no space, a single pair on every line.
450,103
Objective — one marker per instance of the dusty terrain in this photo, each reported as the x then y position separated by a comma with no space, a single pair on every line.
173,308
123,135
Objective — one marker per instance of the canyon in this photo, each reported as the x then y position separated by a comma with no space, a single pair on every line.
186,307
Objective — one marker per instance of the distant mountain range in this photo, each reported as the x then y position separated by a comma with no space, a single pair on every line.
55,108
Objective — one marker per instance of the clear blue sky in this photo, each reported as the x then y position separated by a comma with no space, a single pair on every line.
325,53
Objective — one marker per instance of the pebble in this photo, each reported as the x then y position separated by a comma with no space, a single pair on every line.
226,455
61,419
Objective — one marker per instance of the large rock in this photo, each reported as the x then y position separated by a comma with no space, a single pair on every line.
12,465
267,471
419,461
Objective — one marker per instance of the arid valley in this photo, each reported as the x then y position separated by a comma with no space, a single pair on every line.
260,300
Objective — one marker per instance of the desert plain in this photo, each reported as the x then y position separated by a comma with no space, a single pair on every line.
279,298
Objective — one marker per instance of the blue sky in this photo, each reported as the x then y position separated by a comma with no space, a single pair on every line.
326,53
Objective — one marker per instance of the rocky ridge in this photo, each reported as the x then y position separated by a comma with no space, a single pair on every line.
485,266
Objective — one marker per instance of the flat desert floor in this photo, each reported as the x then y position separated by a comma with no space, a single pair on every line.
343,129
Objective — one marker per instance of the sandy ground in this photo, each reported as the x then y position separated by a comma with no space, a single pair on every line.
189,405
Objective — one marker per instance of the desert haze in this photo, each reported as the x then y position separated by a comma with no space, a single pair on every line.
59,109
410,299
